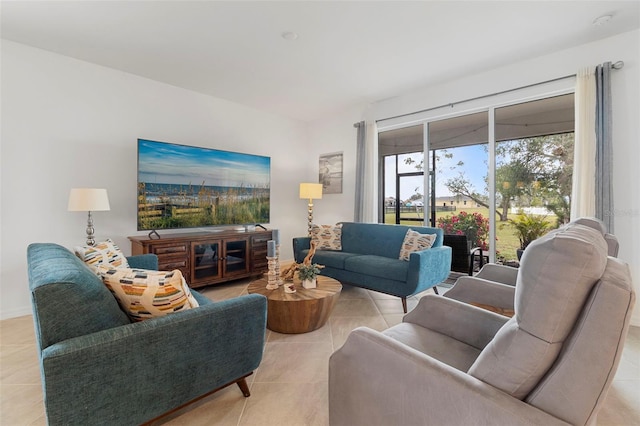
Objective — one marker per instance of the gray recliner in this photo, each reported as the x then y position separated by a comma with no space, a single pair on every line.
493,286
451,363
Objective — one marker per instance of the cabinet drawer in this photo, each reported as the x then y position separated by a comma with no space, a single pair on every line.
169,264
260,265
258,239
173,249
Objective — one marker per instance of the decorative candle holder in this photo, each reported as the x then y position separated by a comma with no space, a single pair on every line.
272,278
278,277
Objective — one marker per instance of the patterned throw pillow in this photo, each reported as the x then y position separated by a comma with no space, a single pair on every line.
145,294
327,237
415,241
104,253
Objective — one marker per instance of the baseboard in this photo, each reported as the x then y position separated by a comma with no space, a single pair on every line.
15,313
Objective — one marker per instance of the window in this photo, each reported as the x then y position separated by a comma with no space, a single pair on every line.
532,153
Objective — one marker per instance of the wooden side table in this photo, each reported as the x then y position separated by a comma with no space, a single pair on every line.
300,312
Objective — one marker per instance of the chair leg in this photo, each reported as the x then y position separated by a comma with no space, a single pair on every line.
242,384
435,290
404,304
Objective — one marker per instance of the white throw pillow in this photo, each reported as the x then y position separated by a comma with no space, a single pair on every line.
415,241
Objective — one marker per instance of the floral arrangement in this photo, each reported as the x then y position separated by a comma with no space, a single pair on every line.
473,225
308,272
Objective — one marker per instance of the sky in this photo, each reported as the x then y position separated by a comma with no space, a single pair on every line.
475,168
160,162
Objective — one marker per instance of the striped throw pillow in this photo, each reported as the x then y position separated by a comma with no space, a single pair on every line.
415,241
327,237
145,294
103,253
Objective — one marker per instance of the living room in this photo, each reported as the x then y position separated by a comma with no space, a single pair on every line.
68,123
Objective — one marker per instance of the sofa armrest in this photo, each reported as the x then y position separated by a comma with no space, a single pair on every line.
376,380
477,290
144,261
461,321
136,372
429,267
300,244
498,273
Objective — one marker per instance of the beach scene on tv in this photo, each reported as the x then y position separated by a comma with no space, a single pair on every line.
186,186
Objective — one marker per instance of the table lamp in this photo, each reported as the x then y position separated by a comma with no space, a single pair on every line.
88,200
310,191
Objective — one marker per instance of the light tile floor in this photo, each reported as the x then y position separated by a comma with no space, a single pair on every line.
290,386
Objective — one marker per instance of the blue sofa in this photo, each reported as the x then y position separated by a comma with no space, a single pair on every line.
99,368
369,259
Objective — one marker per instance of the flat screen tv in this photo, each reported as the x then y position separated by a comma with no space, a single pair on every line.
183,186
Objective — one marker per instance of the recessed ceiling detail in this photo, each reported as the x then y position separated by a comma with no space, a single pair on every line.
602,20
290,35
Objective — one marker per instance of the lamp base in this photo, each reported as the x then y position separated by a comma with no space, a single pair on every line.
310,218
90,230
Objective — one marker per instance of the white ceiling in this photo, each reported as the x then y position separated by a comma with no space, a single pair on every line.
346,53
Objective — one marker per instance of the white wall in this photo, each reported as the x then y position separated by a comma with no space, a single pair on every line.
68,123
626,132
336,134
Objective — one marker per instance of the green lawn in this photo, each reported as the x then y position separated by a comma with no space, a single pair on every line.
507,241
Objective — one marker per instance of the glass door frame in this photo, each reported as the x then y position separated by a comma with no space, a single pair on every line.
399,217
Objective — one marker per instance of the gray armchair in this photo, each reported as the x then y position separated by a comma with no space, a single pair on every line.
493,286
99,368
450,363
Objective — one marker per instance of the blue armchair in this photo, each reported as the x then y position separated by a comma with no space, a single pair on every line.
98,367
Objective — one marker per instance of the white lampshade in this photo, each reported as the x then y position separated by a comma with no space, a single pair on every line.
311,191
88,200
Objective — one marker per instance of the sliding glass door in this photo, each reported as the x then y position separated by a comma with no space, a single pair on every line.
534,168
486,179
458,148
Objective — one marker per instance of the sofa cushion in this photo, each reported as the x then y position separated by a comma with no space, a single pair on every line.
327,237
332,259
105,252
145,294
380,239
557,273
373,238
415,241
378,266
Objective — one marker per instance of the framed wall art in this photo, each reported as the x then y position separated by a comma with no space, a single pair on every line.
330,173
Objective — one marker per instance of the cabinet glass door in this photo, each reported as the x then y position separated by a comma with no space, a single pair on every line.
206,257
236,257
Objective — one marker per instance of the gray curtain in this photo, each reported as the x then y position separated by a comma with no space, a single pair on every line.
358,215
604,150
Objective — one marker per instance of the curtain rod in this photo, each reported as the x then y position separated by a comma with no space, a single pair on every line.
616,65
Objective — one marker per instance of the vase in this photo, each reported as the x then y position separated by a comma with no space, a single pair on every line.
309,283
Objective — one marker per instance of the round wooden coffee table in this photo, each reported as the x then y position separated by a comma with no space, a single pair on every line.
300,312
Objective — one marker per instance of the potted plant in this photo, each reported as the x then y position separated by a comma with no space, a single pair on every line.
529,227
308,274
